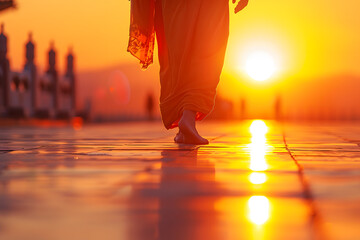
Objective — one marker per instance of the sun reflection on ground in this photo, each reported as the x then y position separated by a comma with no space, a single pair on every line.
258,146
259,209
258,128
257,178
258,206
257,158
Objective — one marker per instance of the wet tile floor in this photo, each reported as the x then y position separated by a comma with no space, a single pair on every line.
256,180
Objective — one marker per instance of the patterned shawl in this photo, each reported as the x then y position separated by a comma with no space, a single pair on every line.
142,33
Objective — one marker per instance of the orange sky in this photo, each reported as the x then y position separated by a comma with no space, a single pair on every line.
308,39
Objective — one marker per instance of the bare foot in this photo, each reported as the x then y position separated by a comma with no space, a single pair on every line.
179,138
188,130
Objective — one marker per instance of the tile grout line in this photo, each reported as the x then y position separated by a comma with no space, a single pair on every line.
315,218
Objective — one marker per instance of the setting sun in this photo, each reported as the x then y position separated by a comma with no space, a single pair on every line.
260,66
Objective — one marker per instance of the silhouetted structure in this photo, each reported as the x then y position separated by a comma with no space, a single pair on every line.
31,68
67,89
24,94
16,96
70,75
4,69
53,75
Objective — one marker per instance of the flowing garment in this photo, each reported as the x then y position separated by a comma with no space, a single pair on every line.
192,37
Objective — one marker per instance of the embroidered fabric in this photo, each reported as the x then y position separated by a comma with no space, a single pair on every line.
141,46
142,32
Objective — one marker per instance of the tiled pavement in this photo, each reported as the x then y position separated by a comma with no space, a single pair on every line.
256,180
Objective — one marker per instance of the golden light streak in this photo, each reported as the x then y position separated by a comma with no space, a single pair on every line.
258,146
258,161
259,209
257,178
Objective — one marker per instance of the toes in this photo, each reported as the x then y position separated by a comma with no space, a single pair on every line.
179,138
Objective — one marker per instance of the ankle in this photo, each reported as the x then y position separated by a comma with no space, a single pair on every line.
189,114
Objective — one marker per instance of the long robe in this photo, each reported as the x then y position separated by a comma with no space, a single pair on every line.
192,37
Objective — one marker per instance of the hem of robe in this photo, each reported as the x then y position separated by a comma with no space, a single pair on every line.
172,120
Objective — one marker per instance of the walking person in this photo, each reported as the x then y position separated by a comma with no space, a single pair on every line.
192,37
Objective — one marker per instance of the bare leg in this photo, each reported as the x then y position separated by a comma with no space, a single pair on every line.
188,129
